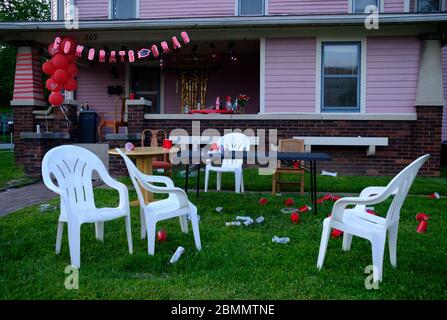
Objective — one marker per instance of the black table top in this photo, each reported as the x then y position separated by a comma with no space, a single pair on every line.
286,156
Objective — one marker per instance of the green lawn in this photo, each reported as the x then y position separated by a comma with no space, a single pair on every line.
235,262
10,174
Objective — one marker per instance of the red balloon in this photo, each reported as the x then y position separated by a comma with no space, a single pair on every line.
59,61
48,68
72,70
161,235
52,85
56,99
72,58
71,85
51,49
61,76
72,45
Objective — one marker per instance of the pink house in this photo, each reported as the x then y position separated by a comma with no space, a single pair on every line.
312,69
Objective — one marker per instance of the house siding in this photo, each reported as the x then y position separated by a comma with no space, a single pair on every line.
92,86
186,8
88,9
444,114
290,75
393,6
391,74
294,7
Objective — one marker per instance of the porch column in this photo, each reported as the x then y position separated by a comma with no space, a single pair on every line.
430,90
429,104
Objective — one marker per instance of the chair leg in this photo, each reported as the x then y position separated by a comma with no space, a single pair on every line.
74,243
392,244
207,176
60,231
324,242
237,181
151,225
99,231
184,223
347,239
129,233
143,223
195,229
274,184
302,185
242,181
378,248
219,180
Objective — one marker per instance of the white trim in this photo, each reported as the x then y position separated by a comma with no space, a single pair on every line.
287,116
28,102
137,9
407,5
363,51
139,102
262,75
415,5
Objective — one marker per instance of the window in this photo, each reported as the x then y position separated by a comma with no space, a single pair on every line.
340,76
60,9
359,6
124,9
429,5
251,7
145,82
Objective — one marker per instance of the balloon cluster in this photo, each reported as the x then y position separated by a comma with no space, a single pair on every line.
62,69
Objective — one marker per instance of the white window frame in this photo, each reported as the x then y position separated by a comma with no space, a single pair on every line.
363,55
237,7
351,6
137,9
416,5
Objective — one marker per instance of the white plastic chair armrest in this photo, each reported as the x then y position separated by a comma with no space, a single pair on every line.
369,191
158,179
180,193
341,204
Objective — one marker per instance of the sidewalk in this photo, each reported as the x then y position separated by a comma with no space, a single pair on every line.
16,199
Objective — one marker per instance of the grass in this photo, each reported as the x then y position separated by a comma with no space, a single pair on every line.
235,262
10,174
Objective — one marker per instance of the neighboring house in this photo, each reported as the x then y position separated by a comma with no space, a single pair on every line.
311,68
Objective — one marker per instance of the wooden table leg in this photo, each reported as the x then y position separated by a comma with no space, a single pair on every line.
144,164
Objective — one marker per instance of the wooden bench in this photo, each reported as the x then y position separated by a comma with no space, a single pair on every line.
370,142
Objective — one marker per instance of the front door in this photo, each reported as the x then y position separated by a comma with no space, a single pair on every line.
145,82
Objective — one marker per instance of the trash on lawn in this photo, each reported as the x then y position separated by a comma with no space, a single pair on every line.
160,170
288,210
369,208
280,240
328,173
219,209
295,217
336,198
263,201
423,222
435,195
336,233
260,219
243,218
289,202
304,208
233,223
46,207
162,235
177,254
320,201
327,197
371,212
279,194
248,222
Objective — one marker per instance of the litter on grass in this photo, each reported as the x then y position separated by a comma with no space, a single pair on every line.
233,223
219,209
328,173
177,254
260,219
280,240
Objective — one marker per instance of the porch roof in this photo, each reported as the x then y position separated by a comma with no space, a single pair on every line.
225,22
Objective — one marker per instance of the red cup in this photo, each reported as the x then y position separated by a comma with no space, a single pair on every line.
167,144
132,96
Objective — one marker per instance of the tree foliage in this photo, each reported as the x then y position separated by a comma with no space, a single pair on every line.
16,10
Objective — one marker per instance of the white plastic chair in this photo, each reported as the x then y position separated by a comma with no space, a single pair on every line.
176,205
72,167
231,142
358,222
